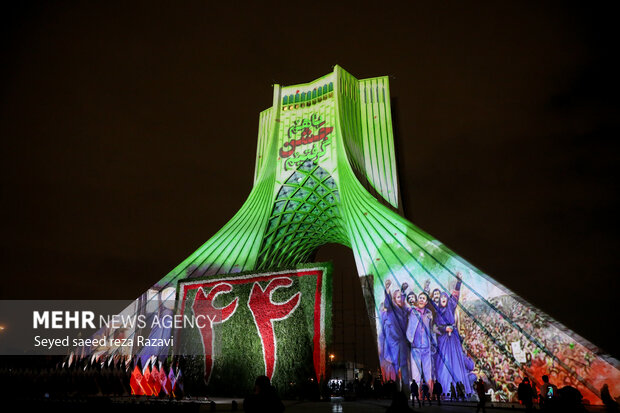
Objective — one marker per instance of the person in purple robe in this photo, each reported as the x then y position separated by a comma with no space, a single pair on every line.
452,364
384,354
420,335
396,347
433,305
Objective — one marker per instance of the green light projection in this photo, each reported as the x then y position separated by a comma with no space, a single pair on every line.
326,172
305,216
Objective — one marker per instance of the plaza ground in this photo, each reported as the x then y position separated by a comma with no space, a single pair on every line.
339,405
219,404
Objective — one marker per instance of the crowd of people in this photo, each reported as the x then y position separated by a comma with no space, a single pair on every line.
419,337
489,335
432,336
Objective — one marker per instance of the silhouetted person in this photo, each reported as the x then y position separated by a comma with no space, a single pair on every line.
482,397
569,400
525,394
415,393
460,391
452,392
264,398
437,390
608,401
399,403
426,394
548,394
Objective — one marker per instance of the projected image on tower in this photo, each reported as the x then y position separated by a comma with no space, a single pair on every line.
272,324
454,326
325,172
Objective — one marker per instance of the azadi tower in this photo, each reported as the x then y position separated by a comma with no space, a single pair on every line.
326,173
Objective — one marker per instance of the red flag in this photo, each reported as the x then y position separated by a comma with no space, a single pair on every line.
146,382
136,382
155,381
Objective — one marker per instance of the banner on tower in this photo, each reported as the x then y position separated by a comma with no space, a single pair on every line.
275,324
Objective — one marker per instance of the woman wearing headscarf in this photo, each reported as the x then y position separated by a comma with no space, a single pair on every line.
452,364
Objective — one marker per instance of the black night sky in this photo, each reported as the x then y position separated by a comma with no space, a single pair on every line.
129,136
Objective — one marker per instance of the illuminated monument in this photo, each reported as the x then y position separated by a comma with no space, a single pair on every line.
326,173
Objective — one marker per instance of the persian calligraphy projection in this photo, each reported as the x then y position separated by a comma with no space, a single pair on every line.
326,173
272,324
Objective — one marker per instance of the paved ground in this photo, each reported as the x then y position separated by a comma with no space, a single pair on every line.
196,405
338,405
371,406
